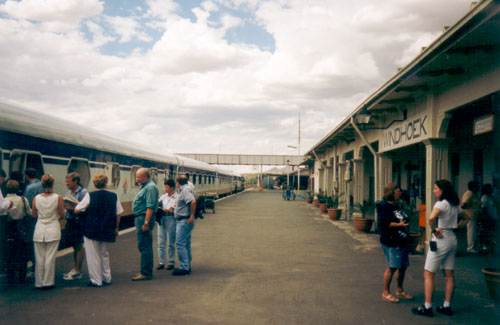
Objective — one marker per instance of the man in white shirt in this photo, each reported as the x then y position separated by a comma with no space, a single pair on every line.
167,228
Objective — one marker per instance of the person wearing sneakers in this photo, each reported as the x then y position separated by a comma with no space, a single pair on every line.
395,240
100,226
443,222
73,230
166,229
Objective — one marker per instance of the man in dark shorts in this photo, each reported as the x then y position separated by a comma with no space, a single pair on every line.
73,230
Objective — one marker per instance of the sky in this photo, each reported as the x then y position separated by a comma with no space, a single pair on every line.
219,76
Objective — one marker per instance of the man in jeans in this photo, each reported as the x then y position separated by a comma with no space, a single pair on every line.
144,207
184,216
166,229
73,230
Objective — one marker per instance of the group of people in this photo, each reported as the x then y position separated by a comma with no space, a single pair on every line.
448,215
482,206
92,221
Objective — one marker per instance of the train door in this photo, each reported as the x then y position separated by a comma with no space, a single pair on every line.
80,166
20,160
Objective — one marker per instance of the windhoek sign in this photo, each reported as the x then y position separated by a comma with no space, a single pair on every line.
414,129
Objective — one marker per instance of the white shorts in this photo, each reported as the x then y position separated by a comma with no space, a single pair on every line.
444,257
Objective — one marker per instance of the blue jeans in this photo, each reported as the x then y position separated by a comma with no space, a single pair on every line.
145,245
183,243
166,231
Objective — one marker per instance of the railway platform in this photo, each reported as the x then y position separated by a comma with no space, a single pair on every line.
258,260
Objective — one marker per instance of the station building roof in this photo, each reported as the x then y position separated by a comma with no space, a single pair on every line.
472,43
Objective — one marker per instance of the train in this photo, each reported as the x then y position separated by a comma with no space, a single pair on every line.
52,145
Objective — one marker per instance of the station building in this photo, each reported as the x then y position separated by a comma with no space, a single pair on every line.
436,118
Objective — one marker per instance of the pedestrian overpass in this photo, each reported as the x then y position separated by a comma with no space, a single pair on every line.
236,159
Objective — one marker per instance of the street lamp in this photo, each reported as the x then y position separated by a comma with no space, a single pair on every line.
287,172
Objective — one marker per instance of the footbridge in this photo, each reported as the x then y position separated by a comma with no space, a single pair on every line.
236,159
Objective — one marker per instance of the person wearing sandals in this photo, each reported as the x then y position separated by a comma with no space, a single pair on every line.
48,207
395,240
443,222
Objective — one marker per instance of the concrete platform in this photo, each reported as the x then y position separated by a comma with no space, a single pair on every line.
258,260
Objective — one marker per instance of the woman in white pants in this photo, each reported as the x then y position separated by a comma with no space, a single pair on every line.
48,207
100,226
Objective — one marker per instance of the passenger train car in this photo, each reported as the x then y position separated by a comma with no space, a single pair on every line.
58,147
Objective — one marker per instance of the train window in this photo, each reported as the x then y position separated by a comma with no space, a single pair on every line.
80,166
21,160
205,179
113,173
167,174
153,173
132,176
199,179
194,179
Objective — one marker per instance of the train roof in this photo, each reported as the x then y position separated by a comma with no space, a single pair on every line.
26,121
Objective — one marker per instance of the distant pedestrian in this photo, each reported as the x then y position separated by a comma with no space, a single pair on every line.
288,193
167,227
17,248
99,226
184,216
73,230
395,240
49,208
472,204
443,222
144,207
488,220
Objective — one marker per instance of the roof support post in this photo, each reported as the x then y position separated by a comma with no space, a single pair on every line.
375,160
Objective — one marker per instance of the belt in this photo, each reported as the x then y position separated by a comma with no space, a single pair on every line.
181,217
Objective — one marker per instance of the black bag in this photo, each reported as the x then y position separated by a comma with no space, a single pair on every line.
200,207
26,226
160,213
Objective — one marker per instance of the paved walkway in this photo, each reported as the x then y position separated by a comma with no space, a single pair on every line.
258,260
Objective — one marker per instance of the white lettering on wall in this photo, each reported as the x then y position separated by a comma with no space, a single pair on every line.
413,130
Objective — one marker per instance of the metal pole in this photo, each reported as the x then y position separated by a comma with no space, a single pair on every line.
298,166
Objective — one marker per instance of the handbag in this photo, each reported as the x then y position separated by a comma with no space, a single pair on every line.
159,213
25,225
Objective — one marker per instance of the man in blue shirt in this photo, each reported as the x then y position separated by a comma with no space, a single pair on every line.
144,207
33,187
184,216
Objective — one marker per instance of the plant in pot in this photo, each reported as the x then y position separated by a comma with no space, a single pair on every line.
333,207
322,202
362,219
315,200
309,197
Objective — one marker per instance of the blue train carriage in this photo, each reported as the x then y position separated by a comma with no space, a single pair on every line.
55,146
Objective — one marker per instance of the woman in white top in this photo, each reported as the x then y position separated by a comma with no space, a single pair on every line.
17,248
443,222
48,207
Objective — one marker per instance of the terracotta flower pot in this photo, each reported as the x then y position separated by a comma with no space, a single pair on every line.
322,207
334,213
308,200
492,277
363,224
316,203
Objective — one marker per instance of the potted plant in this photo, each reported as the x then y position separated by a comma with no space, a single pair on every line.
309,197
316,201
492,277
333,207
322,202
362,221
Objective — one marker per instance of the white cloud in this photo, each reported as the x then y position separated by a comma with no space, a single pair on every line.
127,28
195,91
55,15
